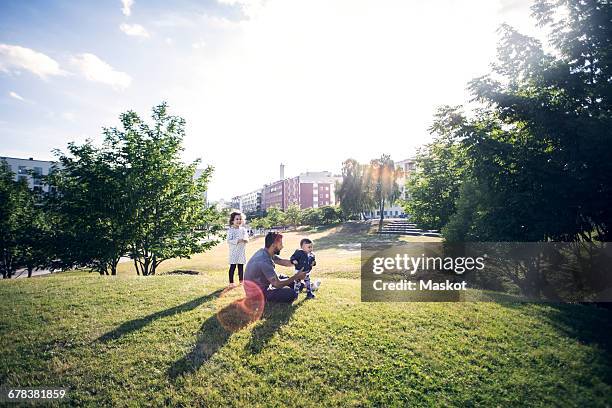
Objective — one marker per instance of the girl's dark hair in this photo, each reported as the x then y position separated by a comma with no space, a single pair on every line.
232,216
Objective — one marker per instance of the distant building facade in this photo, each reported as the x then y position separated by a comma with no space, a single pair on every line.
249,204
29,170
308,190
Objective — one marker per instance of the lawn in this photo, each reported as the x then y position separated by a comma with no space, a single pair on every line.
164,340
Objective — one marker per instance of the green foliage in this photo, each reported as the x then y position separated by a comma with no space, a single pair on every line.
331,214
539,151
365,187
312,217
276,217
434,188
23,230
354,192
133,196
293,215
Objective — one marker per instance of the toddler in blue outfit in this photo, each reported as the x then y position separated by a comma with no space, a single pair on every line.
304,259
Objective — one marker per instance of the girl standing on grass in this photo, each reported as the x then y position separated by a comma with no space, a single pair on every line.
237,237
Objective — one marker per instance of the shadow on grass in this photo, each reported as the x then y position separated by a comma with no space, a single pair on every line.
217,330
137,324
588,324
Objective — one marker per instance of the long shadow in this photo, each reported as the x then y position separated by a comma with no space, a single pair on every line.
137,324
217,330
586,323
276,316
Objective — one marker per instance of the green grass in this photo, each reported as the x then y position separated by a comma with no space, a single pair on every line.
158,340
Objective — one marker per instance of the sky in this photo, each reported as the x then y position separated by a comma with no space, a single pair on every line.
259,82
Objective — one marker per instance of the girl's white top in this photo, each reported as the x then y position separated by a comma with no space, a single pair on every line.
237,249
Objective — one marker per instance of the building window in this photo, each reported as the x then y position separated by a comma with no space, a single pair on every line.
37,176
22,170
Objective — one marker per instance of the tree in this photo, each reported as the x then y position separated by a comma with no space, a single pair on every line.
354,192
312,216
293,215
276,217
383,175
170,218
92,215
554,146
434,188
132,196
330,214
22,226
538,153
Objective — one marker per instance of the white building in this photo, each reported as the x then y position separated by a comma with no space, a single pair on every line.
249,203
24,168
196,175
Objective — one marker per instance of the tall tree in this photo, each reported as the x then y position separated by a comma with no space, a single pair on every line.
92,218
22,225
538,154
383,175
132,196
169,215
355,191
293,215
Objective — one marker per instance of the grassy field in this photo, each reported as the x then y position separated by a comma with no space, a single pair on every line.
171,340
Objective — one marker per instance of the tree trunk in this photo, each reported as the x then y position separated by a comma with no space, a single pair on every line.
30,271
136,264
382,216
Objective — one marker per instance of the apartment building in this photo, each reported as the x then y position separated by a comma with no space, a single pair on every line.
29,170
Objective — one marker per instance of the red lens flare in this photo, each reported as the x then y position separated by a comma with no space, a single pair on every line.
240,306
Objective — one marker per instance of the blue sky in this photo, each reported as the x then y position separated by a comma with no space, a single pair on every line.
260,82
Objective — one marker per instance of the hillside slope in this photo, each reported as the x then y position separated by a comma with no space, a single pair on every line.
158,340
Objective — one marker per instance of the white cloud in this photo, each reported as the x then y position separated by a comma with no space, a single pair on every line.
14,58
251,8
94,69
127,7
135,30
15,95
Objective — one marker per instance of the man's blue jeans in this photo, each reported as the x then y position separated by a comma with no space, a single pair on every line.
282,295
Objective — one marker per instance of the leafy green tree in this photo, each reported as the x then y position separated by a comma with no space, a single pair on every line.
293,215
276,217
170,218
312,216
538,154
22,226
553,146
330,214
434,188
355,191
89,206
132,196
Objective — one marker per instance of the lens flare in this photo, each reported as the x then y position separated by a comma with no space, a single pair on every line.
240,306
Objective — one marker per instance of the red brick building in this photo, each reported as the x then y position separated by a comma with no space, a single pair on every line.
308,190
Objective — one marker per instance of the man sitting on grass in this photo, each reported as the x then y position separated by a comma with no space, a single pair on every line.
260,271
